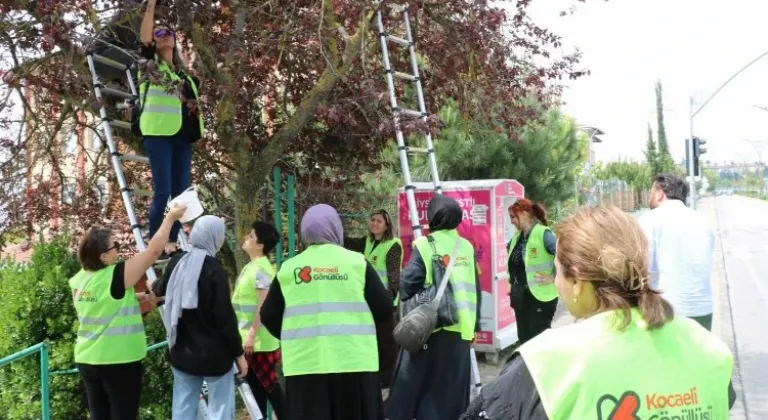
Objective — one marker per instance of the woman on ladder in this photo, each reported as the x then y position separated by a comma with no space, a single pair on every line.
385,253
170,119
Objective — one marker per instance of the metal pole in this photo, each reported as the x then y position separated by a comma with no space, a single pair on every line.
45,392
691,157
277,184
291,218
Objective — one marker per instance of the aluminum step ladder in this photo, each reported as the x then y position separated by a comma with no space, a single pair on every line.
131,98
398,114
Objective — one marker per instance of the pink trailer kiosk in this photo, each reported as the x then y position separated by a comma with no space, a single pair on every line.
487,226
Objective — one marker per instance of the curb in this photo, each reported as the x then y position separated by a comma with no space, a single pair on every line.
722,324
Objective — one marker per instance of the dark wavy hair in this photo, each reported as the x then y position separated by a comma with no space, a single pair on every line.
388,233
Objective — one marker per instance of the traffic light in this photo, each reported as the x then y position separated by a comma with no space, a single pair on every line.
698,150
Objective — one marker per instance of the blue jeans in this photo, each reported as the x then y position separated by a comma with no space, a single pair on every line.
171,162
186,395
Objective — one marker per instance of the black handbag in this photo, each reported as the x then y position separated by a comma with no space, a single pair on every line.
433,307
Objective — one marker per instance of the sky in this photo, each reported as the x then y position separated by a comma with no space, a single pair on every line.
692,46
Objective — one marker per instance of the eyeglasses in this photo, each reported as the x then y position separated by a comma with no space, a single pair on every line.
161,33
115,246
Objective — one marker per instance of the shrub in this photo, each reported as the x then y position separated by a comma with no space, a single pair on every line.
35,306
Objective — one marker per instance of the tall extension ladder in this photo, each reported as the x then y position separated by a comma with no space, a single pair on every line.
404,150
117,159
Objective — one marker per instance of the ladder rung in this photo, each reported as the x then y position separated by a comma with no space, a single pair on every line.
138,192
134,158
409,112
110,62
120,124
417,150
405,76
116,92
398,40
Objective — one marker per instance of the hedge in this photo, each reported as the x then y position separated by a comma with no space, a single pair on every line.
36,305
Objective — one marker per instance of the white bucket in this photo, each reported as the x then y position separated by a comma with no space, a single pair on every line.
194,207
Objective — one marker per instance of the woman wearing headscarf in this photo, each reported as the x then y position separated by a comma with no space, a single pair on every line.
203,338
385,253
531,268
433,384
324,308
628,358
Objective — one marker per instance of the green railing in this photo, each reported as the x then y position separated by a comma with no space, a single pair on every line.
290,193
45,372
45,391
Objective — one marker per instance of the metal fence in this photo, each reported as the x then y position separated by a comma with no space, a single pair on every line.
612,192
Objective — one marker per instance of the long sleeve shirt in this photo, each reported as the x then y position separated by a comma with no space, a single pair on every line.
681,247
415,274
516,263
376,296
392,260
208,340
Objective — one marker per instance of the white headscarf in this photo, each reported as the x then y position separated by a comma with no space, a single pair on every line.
207,237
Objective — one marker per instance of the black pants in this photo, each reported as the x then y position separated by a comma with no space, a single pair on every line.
533,316
113,390
276,397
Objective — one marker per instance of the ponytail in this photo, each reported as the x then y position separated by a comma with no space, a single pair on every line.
540,214
655,309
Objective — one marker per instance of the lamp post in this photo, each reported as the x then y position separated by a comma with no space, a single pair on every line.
693,113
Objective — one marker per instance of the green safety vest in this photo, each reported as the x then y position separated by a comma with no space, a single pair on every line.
245,301
161,113
462,277
378,258
537,261
590,370
111,331
327,324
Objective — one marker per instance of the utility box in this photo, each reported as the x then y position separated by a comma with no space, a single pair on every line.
486,224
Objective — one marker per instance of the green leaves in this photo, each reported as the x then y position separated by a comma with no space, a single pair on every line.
35,306
547,160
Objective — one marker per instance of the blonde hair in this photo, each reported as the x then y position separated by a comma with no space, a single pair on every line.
607,247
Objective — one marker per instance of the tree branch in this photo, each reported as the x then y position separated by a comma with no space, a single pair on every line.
327,82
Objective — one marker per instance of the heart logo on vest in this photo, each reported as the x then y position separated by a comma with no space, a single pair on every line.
446,260
302,274
625,408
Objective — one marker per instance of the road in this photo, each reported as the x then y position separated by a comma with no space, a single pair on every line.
740,288
741,295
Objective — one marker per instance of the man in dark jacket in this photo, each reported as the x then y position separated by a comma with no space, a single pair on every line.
203,339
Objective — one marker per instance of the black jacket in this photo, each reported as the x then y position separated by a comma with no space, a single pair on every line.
208,341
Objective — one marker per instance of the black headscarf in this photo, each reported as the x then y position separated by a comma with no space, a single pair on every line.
443,213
